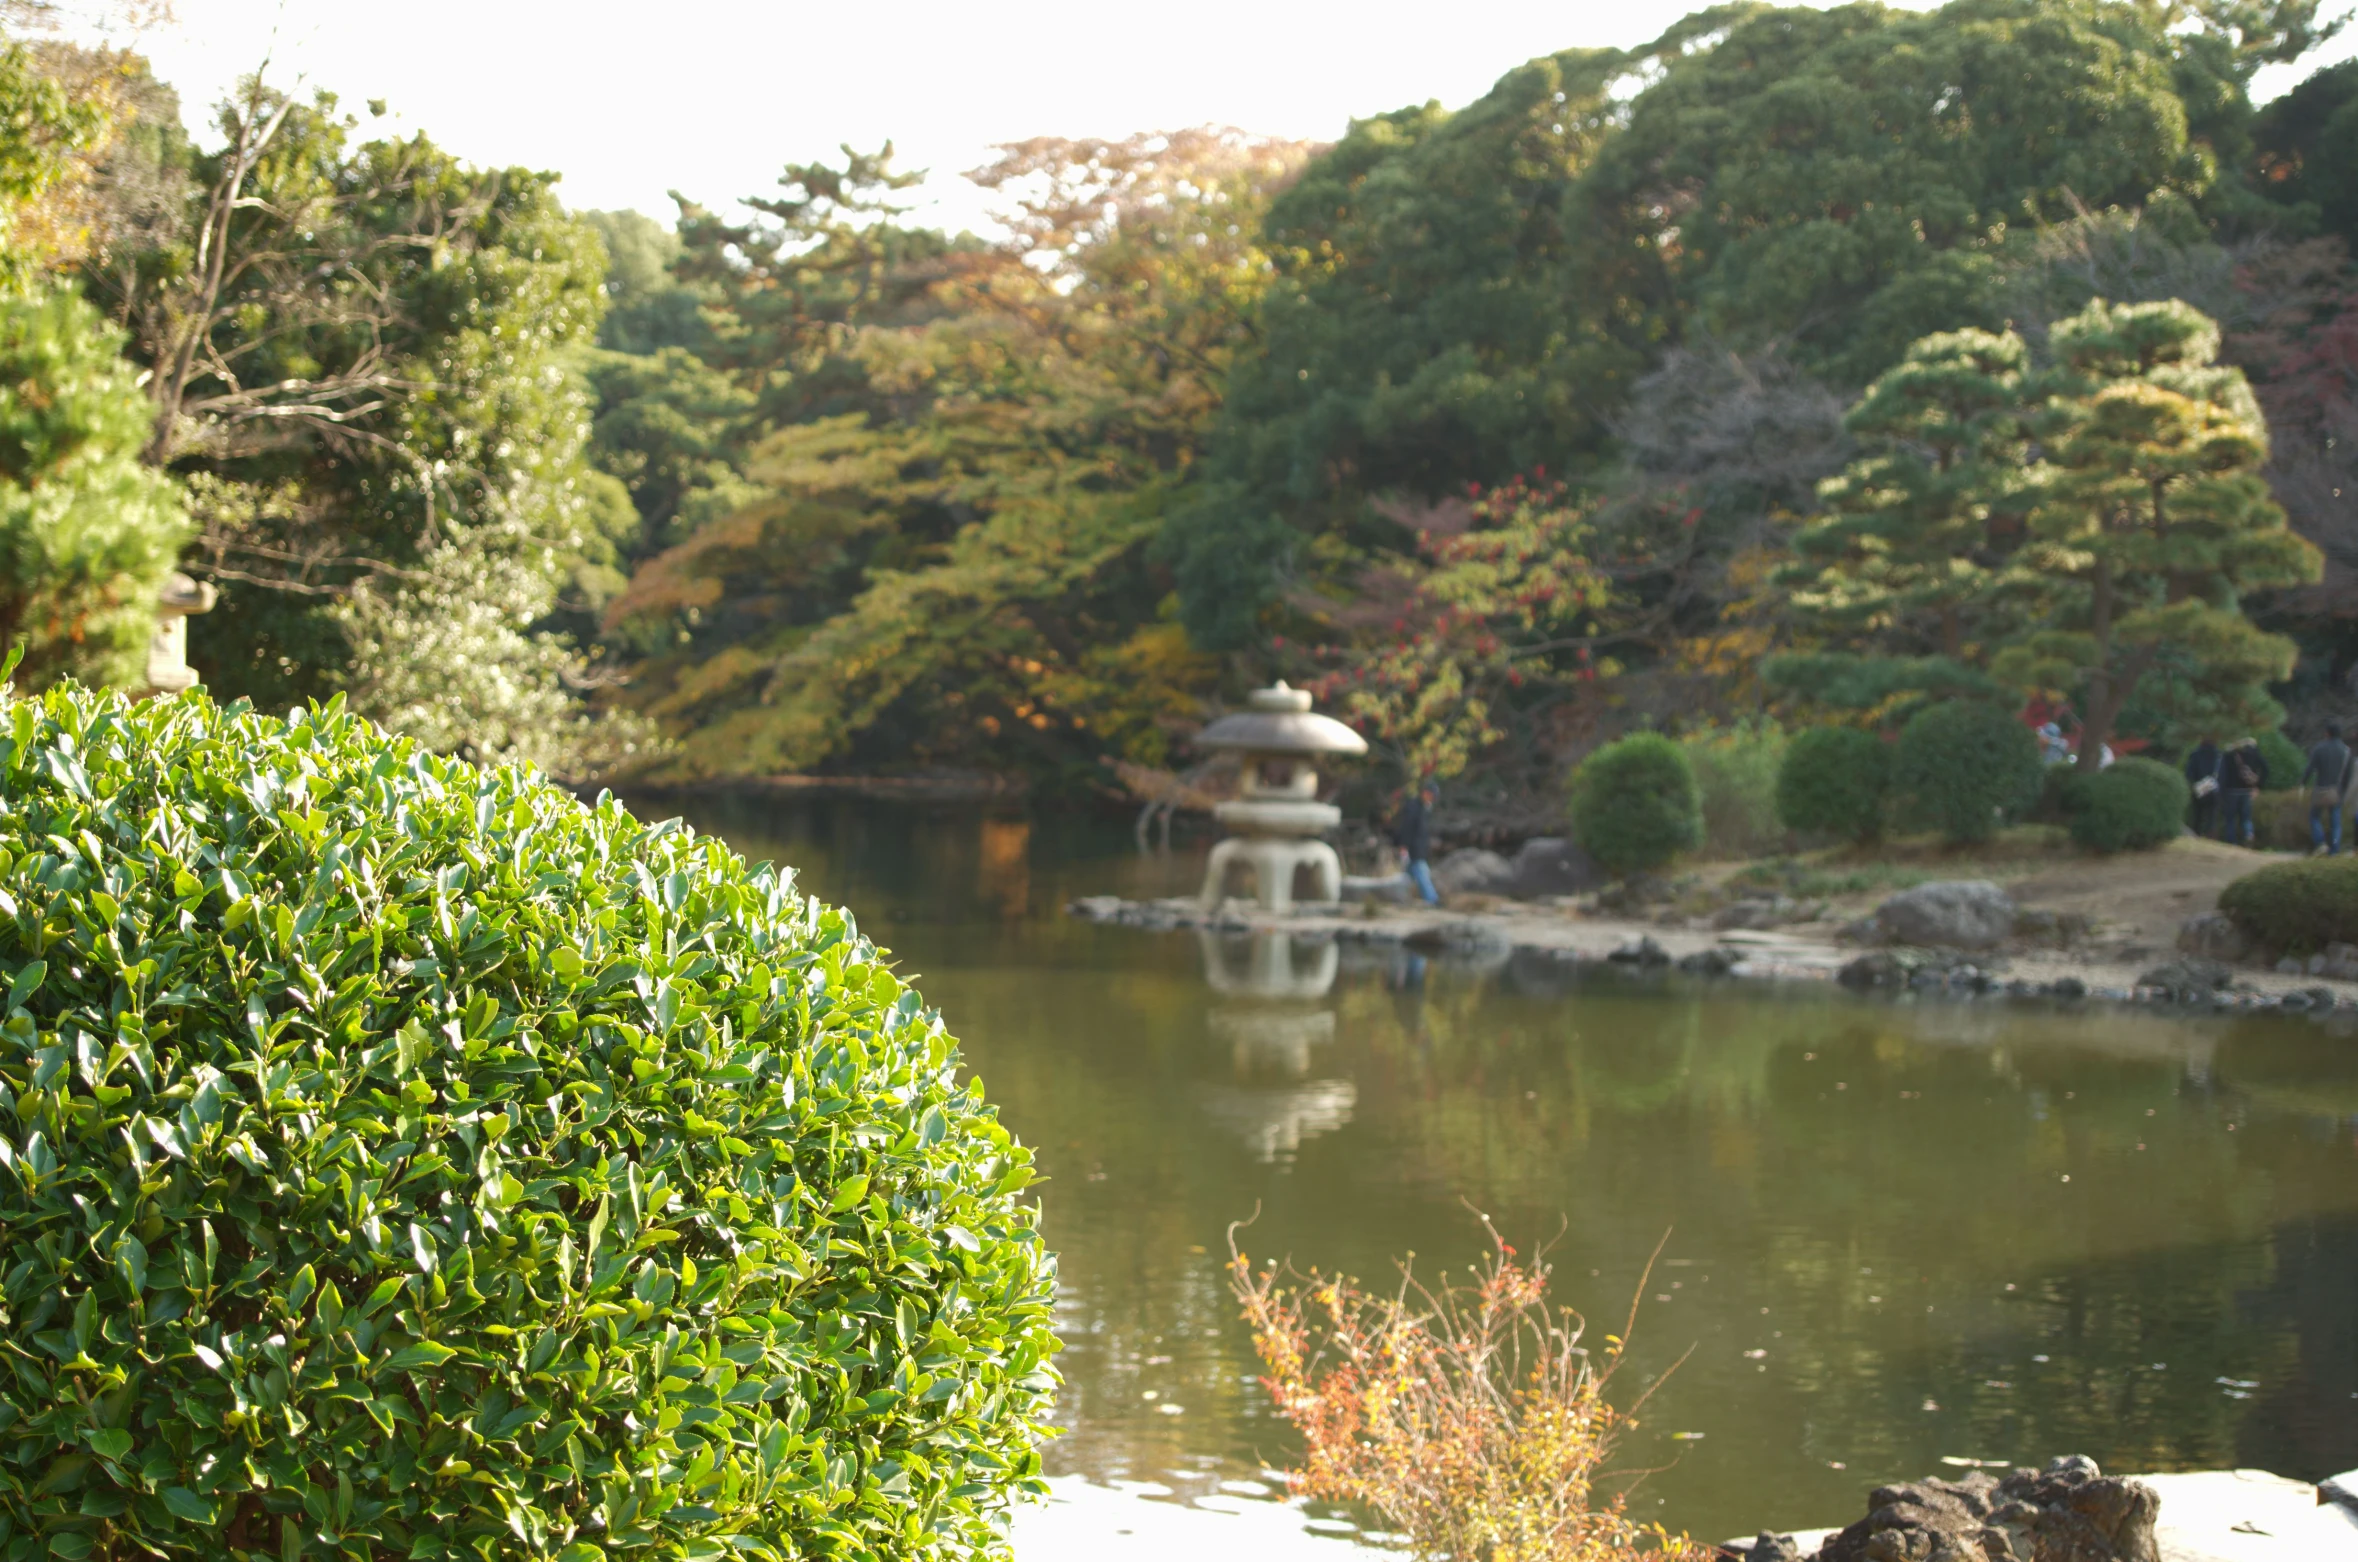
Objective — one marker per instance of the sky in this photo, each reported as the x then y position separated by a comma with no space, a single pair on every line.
712,97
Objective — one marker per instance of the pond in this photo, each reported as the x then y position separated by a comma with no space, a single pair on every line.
1899,1233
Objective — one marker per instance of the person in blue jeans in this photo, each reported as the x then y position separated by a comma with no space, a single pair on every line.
1412,832
2243,771
2327,778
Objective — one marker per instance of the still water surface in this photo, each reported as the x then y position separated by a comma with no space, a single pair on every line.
1899,1232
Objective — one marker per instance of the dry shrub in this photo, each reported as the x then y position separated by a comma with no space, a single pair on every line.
1469,1415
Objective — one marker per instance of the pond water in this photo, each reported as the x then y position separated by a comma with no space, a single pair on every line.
1899,1233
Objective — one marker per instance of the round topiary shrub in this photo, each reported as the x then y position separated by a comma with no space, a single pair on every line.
402,1159
1964,765
2129,805
1835,781
1635,804
2284,758
2296,907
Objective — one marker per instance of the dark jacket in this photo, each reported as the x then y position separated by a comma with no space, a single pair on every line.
2243,770
1412,831
2203,762
2329,766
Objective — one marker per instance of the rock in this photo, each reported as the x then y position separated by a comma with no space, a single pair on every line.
1097,908
2342,1488
2296,1002
1472,871
2187,980
1550,865
1708,962
2213,937
2288,966
2068,1512
2068,987
1641,951
1395,889
1955,913
1773,1548
2061,928
1632,896
2320,997
1756,915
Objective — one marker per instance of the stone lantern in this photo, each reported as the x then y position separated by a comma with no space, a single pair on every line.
1274,827
168,671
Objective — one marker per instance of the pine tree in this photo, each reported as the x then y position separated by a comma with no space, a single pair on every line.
1916,534
2152,523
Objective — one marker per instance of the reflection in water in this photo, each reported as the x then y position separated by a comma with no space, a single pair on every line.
1003,866
1900,1231
1272,1105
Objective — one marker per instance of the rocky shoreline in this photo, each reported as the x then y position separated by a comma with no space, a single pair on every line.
2072,1512
2034,959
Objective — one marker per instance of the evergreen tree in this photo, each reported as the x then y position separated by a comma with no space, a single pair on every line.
87,533
1916,532
2151,524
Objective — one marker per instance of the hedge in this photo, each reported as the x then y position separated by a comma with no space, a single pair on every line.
2296,907
1835,781
402,1159
1967,765
2131,803
1635,804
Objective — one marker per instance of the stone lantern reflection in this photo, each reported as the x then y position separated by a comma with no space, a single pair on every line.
1274,827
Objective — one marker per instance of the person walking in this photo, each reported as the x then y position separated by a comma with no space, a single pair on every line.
2242,772
1412,832
2202,780
2327,776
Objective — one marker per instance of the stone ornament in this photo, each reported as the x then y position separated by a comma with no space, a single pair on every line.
168,671
1274,827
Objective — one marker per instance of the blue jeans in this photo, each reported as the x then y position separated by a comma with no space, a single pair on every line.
2235,817
2325,826
1421,875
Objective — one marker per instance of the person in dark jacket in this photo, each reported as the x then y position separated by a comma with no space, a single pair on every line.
2327,776
2202,780
1412,832
2242,773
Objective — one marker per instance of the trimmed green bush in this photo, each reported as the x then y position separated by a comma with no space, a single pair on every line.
2129,805
2296,907
402,1159
1965,765
1635,804
1835,781
2285,760
1736,777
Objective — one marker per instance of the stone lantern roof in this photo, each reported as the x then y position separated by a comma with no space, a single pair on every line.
1279,721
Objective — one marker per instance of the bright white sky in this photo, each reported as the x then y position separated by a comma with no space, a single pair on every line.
711,97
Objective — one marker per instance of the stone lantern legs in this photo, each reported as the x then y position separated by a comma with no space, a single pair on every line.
1274,861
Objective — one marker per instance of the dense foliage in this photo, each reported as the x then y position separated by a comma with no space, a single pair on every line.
1853,358
402,1158
87,533
2296,907
1835,781
2131,804
1635,804
1961,767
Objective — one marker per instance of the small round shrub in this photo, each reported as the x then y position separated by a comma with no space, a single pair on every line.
1965,764
1835,781
1635,804
2296,907
2129,805
2285,760
404,1159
